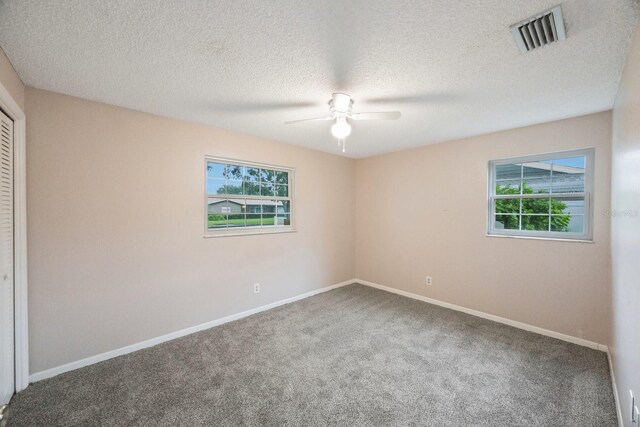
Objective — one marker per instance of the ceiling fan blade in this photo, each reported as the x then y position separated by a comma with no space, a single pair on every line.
317,119
386,115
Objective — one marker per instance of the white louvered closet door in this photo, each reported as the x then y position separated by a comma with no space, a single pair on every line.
7,374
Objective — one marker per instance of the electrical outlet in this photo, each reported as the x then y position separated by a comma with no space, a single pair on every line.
256,288
429,281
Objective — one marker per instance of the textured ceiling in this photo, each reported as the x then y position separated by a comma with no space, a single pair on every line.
451,67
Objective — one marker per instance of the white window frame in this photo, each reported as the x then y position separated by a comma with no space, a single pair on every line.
244,231
586,236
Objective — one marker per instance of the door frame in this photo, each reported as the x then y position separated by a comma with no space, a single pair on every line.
21,329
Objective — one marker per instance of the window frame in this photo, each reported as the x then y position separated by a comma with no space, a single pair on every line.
585,236
246,231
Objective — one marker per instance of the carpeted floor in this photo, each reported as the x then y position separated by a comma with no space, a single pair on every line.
354,356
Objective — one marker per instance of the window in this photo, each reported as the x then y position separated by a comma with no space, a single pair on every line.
547,195
247,198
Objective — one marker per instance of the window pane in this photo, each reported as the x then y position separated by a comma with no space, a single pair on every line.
508,179
276,206
233,187
283,220
268,219
566,224
251,174
568,175
236,220
215,186
269,206
217,210
282,177
241,183
267,189
237,206
215,170
507,206
569,162
217,220
267,175
284,207
535,206
535,222
536,177
254,206
568,214
568,206
577,224
251,188
508,186
215,205
506,222
253,220
234,172
509,172
282,190
528,177
567,183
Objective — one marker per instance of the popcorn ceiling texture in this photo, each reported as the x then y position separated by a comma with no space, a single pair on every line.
451,67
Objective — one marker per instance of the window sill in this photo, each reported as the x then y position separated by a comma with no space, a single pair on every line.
556,239
247,232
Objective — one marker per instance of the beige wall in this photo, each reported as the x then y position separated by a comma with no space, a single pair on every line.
117,256
116,218
423,212
625,232
10,80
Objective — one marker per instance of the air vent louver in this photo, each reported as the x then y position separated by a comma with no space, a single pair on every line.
540,30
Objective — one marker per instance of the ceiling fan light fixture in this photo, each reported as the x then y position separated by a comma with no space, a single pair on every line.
341,129
340,106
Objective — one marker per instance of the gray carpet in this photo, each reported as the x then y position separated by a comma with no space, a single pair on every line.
352,356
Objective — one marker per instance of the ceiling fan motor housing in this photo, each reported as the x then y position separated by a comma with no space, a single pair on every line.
340,104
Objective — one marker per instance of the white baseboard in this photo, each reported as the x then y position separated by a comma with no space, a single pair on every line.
38,376
515,324
48,373
615,390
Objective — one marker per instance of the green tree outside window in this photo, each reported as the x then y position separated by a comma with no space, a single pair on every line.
510,210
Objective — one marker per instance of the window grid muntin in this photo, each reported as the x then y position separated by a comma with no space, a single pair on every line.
549,214
551,158
287,214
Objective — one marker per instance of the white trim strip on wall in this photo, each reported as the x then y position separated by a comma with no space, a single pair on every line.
38,376
48,373
515,324
615,390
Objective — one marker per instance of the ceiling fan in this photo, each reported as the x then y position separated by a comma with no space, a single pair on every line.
340,107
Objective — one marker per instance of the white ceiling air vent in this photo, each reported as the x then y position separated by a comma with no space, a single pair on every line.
539,30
